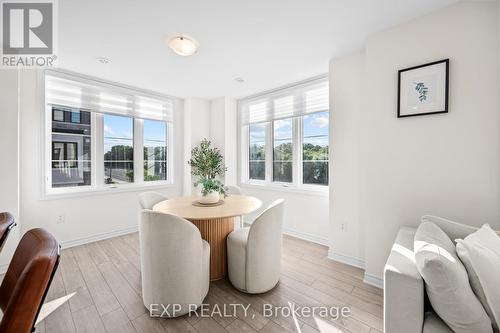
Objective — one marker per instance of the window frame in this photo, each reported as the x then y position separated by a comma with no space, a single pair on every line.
97,184
301,161
297,185
168,148
266,147
65,152
292,139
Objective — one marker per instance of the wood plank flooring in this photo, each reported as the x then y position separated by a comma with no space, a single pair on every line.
105,277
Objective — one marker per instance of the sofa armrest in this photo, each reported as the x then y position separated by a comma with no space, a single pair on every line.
403,287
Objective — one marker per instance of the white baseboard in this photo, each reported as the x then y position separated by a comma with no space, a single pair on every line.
98,237
370,279
88,239
349,260
373,280
307,237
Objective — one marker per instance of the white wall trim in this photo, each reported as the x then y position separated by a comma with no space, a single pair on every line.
98,237
345,259
370,279
373,280
299,234
306,236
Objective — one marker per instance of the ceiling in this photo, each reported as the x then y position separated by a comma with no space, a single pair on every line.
269,43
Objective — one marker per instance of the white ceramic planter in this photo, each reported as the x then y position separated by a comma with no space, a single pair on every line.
210,198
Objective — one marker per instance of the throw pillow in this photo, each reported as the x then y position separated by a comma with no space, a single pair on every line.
446,282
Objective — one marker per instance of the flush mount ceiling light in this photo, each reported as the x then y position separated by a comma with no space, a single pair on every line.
183,45
239,80
103,60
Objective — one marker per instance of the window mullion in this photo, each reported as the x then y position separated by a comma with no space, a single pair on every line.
245,153
297,151
138,150
269,151
97,152
170,153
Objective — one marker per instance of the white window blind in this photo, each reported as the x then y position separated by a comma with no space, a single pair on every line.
295,101
73,91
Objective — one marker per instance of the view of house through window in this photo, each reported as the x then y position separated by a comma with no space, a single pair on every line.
155,150
118,149
104,135
71,147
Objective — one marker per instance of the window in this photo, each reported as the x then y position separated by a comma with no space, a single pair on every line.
287,135
104,136
75,117
71,143
118,149
64,154
155,150
315,148
257,152
57,115
282,151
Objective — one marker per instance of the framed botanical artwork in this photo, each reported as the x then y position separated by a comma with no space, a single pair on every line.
423,89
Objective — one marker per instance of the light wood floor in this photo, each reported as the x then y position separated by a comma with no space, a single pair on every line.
106,279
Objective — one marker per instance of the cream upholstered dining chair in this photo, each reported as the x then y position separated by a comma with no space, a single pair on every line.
175,264
148,199
231,189
254,253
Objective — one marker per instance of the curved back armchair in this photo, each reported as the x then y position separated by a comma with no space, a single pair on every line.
254,253
6,225
148,199
174,264
231,189
27,281
264,248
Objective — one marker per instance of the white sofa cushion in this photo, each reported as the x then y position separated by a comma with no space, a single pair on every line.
447,283
480,253
434,324
403,287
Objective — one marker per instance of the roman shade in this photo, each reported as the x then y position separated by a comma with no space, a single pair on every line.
294,101
74,91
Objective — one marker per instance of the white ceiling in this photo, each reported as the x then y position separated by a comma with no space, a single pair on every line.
267,42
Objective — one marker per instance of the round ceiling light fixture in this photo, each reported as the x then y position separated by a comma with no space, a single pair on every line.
239,79
183,45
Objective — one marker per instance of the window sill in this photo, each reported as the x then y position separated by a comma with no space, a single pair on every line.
104,190
319,190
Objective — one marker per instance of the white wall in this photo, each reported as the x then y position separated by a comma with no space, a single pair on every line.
306,215
196,128
223,133
346,85
446,164
9,164
85,216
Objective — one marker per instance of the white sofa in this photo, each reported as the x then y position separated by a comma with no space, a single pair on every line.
405,306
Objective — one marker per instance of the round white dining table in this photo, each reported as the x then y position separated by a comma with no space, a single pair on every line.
214,222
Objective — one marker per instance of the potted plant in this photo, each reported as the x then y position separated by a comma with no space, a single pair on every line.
207,163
